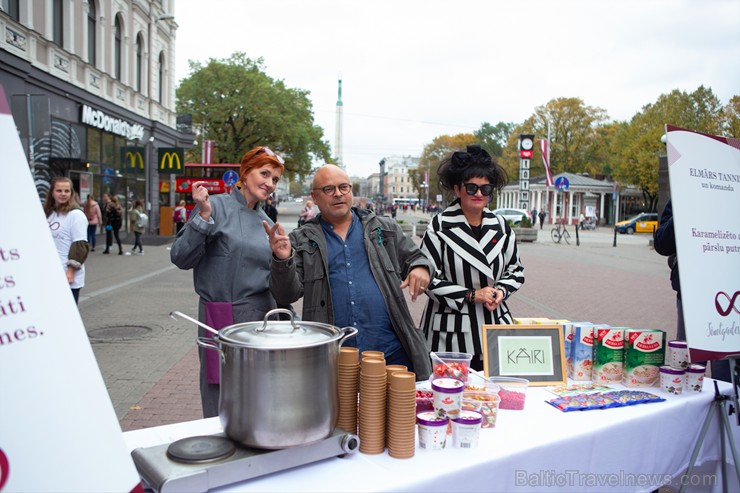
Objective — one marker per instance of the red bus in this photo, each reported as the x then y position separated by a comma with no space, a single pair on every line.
219,178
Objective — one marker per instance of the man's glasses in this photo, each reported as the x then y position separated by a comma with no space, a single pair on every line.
270,153
472,189
344,189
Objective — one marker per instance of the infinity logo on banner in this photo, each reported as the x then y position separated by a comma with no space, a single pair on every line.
730,307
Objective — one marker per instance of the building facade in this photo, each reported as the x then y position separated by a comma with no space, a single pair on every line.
91,86
604,200
398,183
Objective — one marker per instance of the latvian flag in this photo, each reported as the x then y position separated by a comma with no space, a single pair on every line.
548,173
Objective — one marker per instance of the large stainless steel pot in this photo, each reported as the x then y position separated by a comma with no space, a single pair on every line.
278,380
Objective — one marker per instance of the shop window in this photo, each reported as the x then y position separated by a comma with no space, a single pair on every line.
10,7
94,145
109,149
91,33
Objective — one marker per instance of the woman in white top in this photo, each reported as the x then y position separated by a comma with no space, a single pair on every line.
68,226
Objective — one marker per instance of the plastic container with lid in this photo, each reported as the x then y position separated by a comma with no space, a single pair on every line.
671,379
695,378
678,354
450,365
483,398
513,392
432,430
466,429
447,396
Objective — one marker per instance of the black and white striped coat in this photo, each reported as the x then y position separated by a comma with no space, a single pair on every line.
464,263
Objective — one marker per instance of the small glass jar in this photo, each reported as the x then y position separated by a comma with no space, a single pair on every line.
678,354
671,379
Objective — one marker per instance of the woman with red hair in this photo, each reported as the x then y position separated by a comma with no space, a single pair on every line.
225,244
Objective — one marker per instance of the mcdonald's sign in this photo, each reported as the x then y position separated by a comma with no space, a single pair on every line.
132,159
171,160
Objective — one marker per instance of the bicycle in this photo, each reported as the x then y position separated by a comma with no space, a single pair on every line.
560,233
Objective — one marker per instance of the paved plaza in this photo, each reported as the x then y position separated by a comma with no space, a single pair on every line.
149,361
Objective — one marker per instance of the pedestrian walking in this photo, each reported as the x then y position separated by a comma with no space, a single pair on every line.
180,216
138,221
94,219
542,217
113,222
271,210
68,226
306,214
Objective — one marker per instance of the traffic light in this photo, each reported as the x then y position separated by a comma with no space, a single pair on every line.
526,146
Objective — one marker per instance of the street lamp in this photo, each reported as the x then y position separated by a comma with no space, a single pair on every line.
152,178
381,185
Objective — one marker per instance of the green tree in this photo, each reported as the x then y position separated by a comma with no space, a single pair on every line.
731,118
432,156
240,107
638,143
493,138
574,137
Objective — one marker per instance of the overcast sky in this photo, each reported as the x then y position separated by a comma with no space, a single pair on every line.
413,70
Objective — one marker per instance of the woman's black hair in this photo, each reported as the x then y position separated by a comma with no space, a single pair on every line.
459,167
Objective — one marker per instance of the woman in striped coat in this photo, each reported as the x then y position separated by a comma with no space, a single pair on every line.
476,255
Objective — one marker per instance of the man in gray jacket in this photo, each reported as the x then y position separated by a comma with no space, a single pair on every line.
350,266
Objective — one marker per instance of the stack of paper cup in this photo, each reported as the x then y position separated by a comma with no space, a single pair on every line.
401,438
348,368
389,370
372,405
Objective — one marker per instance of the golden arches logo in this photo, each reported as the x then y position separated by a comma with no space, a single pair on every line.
133,158
169,159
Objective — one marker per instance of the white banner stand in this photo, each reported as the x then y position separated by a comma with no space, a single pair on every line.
704,172
58,429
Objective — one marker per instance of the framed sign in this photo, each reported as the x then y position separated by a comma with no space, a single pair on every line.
534,352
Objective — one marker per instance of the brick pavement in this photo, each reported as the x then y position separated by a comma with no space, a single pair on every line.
623,286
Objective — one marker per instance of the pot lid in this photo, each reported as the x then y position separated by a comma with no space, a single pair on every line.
279,334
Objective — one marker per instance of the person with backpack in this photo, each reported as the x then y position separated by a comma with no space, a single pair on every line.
113,221
139,221
180,216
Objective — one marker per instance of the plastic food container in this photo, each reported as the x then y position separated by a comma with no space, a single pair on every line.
678,354
483,399
695,378
432,430
671,379
466,429
447,396
452,365
513,392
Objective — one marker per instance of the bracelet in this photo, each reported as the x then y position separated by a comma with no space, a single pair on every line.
472,296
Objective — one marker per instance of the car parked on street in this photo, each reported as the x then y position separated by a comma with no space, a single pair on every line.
644,222
513,215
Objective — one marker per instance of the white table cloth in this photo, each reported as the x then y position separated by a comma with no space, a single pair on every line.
634,448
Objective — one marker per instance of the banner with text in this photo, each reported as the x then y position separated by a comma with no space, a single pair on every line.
59,431
704,172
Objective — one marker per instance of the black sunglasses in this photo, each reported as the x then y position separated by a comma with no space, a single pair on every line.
472,189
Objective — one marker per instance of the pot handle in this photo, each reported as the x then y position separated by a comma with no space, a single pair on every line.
348,332
278,311
208,343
